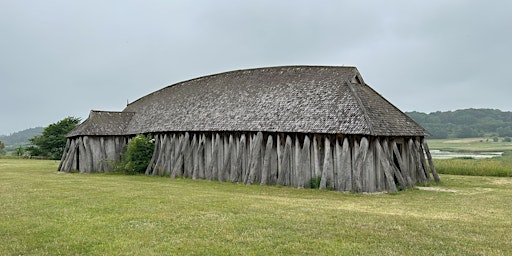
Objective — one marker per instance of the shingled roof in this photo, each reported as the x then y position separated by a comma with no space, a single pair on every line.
304,99
103,123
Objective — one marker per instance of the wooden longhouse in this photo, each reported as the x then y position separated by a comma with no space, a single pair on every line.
280,125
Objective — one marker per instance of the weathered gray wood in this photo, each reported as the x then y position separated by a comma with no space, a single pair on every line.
195,156
419,168
178,167
220,157
216,157
255,158
226,166
296,162
362,152
237,166
234,142
64,155
316,158
248,157
273,164
284,174
279,151
355,154
386,166
346,167
245,148
177,148
66,163
369,178
213,165
423,161
177,158
171,151
326,179
101,154
401,165
208,150
430,162
305,164
158,162
412,161
158,159
163,164
95,154
73,164
394,168
189,157
266,161
85,156
200,157
380,180
169,146
292,160
91,154
336,147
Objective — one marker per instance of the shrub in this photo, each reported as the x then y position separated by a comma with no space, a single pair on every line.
507,139
137,156
315,182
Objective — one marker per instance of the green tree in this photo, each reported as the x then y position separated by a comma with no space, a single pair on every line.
2,147
504,131
137,156
20,151
52,141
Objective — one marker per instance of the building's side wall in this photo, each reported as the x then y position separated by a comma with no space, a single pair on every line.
343,163
89,154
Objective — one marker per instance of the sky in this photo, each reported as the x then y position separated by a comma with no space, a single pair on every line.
65,58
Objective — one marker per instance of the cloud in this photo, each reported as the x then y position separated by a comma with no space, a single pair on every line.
62,58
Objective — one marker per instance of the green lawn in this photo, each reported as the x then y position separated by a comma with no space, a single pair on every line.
43,212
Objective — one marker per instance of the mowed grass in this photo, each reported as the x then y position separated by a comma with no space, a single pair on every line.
43,212
497,166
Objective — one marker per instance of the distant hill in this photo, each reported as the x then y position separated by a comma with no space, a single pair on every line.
20,138
465,123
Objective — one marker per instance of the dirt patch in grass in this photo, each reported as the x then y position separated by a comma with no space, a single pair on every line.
502,182
437,189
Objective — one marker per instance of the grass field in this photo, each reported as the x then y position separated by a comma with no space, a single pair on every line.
498,166
47,213
469,144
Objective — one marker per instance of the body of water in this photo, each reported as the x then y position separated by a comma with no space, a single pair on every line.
438,154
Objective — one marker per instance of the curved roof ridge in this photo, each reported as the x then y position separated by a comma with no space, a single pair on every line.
246,70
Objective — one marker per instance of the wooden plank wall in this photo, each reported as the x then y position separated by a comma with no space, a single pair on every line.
344,163
90,154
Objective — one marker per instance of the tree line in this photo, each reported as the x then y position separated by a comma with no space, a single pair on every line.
49,143
21,137
465,123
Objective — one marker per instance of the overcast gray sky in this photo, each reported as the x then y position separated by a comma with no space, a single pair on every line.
64,58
